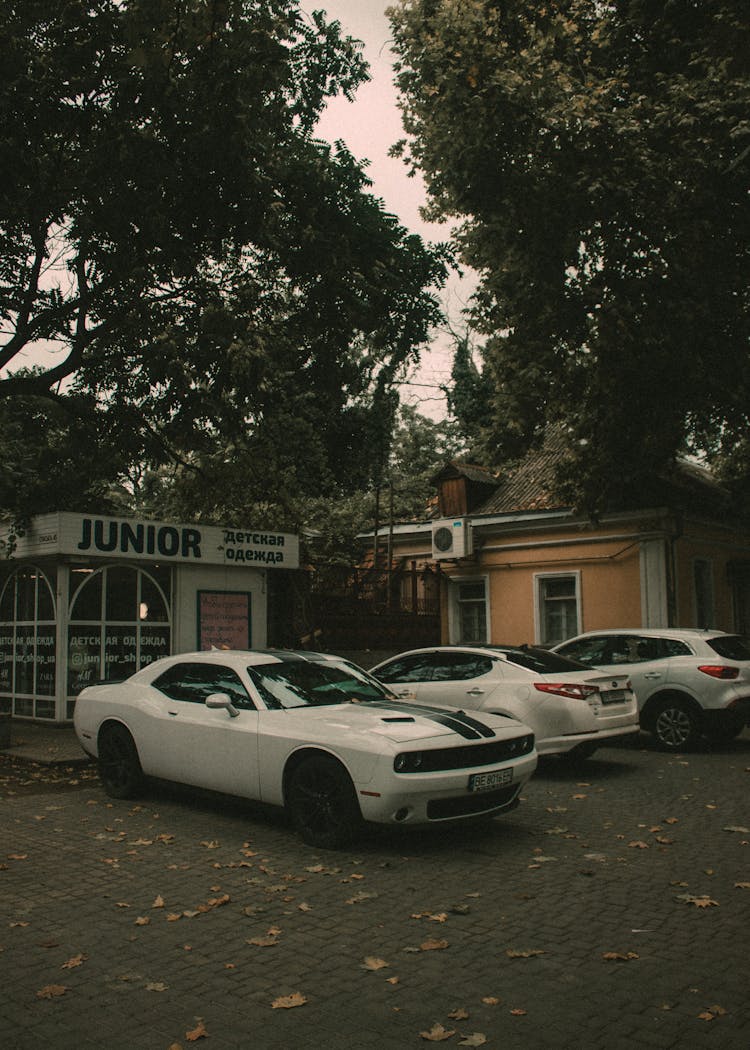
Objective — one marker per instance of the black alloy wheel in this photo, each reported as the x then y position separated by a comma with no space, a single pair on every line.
321,802
119,766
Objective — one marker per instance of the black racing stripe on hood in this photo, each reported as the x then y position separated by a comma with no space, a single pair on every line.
458,721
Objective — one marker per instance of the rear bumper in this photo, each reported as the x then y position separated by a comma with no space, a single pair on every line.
559,745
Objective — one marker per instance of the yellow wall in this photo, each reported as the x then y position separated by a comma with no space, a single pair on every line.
609,582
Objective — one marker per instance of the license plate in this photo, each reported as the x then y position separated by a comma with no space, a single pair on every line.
492,779
613,696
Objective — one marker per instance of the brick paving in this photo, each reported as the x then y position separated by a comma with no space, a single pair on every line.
182,919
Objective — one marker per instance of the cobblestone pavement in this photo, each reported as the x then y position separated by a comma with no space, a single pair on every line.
610,911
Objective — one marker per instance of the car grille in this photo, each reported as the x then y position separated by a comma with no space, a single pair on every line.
475,755
466,805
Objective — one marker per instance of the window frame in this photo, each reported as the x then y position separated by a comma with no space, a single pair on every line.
540,578
454,610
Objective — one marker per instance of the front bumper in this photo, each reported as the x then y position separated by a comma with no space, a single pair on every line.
428,798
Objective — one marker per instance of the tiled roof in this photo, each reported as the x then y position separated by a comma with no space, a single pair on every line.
529,485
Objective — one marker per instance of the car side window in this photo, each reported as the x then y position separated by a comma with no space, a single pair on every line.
674,647
193,682
587,650
415,668
459,667
623,649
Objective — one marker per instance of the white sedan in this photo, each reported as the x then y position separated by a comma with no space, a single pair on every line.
306,731
571,708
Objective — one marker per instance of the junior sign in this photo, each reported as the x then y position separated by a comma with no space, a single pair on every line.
102,537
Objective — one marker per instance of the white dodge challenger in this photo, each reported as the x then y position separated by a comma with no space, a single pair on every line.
307,731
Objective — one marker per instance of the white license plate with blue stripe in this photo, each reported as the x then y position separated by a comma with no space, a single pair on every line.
491,779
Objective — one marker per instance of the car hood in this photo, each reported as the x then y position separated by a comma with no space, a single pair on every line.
404,723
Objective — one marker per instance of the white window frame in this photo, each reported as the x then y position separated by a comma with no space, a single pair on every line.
542,577
454,617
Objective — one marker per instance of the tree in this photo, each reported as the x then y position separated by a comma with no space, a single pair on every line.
184,269
597,157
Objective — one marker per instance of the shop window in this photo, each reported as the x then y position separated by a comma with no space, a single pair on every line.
557,607
27,644
119,622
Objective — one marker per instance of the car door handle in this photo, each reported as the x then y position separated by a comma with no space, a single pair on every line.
652,674
174,714
475,692
405,692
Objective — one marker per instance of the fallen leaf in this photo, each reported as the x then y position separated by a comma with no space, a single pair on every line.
742,885
491,1000
477,1039
142,920
527,953
711,1013
263,942
157,986
638,845
51,991
158,902
738,828
287,1002
619,956
699,902
459,1014
437,1034
371,963
433,946
199,1032
392,980
75,961
518,1012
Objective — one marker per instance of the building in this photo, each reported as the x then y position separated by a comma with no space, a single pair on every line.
517,566
84,597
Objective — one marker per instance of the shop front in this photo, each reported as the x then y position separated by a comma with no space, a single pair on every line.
85,598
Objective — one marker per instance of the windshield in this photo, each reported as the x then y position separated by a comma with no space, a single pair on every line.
299,683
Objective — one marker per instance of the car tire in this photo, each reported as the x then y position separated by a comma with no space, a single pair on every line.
119,766
321,803
675,725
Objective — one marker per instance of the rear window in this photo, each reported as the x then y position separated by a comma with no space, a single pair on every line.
542,661
730,646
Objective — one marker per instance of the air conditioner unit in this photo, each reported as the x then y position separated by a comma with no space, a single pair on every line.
451,538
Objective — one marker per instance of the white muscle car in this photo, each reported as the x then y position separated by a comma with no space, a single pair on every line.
307,731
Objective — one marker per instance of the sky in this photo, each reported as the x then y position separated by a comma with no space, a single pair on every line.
370,126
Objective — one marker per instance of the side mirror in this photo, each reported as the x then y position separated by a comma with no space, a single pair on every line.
219,700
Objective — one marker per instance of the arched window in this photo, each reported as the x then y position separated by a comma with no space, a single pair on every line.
120,620
27,643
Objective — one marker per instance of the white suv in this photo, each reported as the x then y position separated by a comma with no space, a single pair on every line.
688,682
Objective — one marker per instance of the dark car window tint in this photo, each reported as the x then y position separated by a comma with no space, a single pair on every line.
542,661
674,647
586,650
193,682
414,668
623,649
459,667
731,647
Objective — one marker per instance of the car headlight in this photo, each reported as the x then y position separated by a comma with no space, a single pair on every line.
408,762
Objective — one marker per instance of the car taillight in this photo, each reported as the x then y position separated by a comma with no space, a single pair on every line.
719,670
569,689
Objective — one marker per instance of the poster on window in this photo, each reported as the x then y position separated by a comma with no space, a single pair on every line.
84,658
223,620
